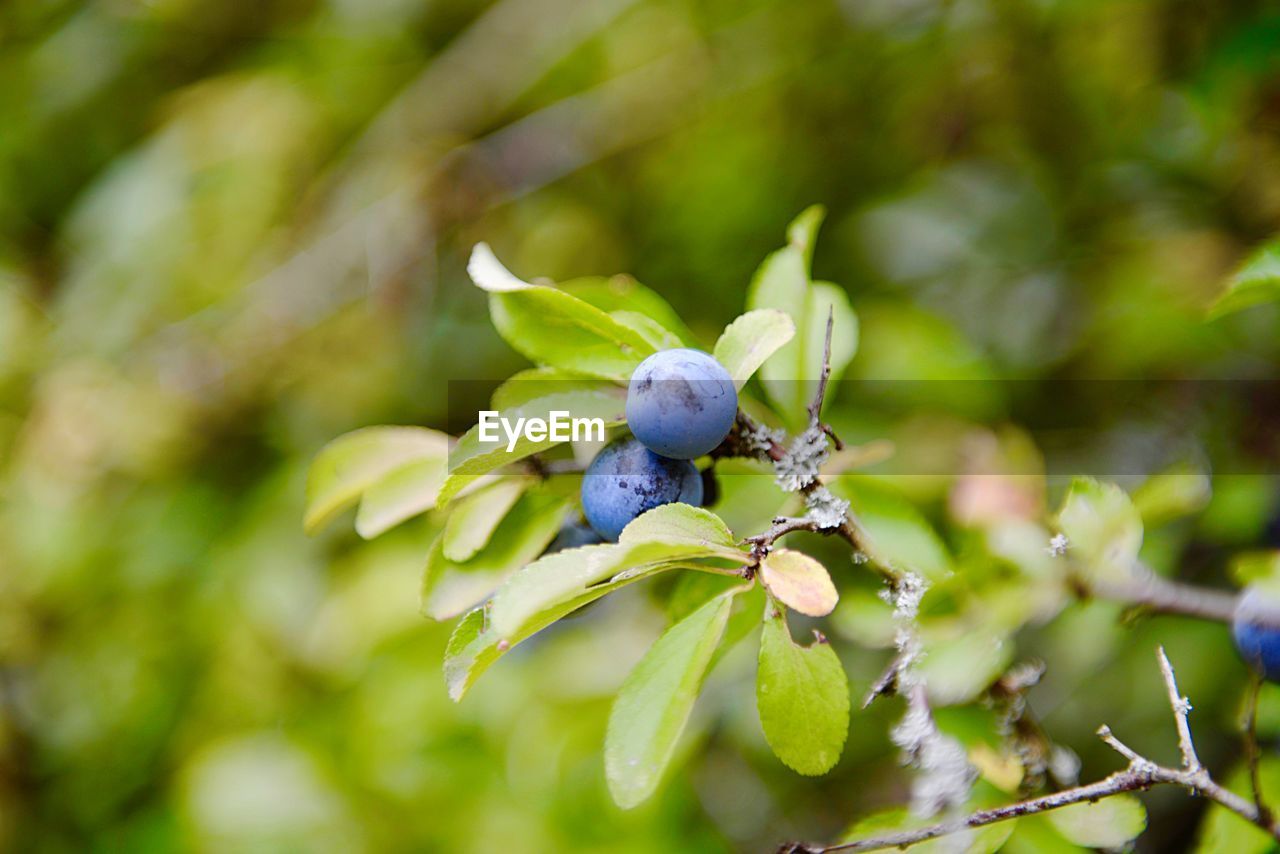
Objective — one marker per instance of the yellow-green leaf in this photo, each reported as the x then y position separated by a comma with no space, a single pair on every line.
782,282
404,493
553,327
681,523
350,464
655,701
474,518
450,587
746,343
802,695
1257,281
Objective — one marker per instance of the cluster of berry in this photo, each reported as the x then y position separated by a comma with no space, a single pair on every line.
680,405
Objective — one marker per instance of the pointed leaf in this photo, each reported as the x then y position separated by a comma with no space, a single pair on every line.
564,576
350,464
799,582
782,282
1256,282
474,645
655,701
475,518
802,233
451,587
666,534
400,495
553,327
802,695
751,339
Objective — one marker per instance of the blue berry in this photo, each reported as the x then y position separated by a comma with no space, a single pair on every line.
681,403
1256,631
626,479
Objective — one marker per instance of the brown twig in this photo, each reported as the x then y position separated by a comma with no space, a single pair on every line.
1253,754
1155,593
887,683
815,407
1140,774
774,451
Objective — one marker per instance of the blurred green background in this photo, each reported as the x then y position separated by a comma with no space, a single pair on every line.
230,231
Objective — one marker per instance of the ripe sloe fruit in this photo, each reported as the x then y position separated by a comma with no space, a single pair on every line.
626,479
1256,630
681,403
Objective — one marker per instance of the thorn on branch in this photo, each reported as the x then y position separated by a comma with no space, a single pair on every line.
815,408
1181,707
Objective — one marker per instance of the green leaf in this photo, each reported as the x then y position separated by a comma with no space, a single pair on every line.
1108,823
474,645
746,343
802,233
659,337
681,523
530,384
655,701
469,641
802,695
1103,528
553,327
1256,282
799,582
475,518
451,587
893,532
472,457
623,293
957,668
350,464
402,494
670,535
782,282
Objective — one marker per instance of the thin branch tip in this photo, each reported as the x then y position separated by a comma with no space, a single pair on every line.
1141,774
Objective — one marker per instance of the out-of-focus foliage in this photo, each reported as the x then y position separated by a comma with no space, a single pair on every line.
232,231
